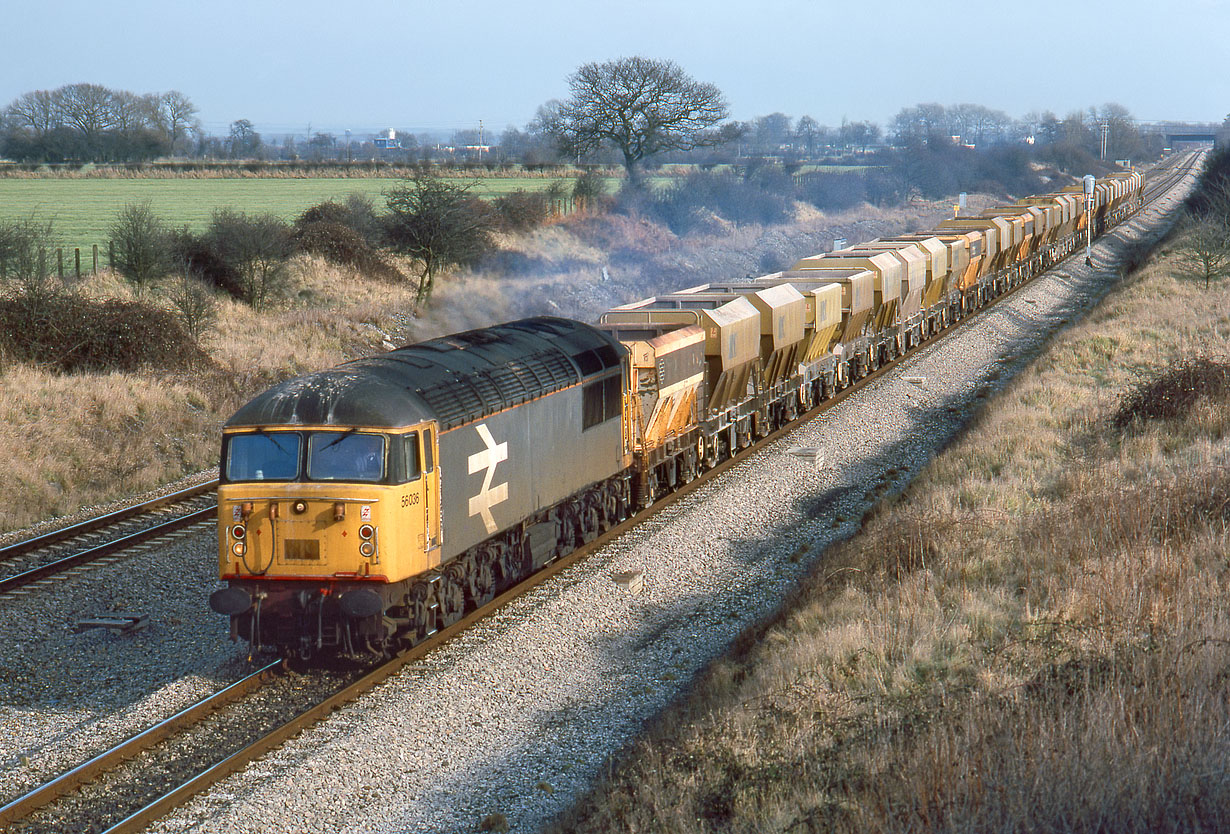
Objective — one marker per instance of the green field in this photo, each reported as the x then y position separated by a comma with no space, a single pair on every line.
83,209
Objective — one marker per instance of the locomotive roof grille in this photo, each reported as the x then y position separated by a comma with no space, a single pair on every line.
456,379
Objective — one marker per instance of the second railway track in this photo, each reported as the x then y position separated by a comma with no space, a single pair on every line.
103,537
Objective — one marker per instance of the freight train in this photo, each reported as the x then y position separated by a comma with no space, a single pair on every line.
364,507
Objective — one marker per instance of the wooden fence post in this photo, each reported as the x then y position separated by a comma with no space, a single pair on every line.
77,258
95,271
60,262
111,254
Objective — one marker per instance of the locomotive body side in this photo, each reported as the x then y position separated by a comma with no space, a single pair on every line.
375,501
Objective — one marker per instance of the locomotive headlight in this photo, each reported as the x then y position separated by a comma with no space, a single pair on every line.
367,531
238,531
367,549
299,507
239,549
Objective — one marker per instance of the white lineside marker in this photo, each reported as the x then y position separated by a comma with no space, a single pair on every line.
815,454
632,581
915,380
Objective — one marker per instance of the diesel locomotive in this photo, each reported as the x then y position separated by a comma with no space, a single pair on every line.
366,506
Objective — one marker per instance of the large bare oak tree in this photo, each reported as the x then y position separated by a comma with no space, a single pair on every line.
641,106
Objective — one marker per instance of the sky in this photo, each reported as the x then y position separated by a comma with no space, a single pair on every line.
442,66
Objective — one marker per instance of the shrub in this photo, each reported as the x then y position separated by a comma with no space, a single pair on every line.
1173,393
589,191
194,298
256,248
522,210
68,333
25,247
757,198
194,254
833,192
342,245
357,213
140,245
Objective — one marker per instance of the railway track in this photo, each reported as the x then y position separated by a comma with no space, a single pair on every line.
102,540
126,798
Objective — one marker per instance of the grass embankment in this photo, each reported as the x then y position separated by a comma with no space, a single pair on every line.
1033,637
68,441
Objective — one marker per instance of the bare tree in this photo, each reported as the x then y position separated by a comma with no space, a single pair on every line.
177,115
141,246
439,223
861,134
256,248
245,142
641,106
90,108
39,111
196,302
810,133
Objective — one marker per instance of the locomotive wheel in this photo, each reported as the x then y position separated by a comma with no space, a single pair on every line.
451,595
591,522
422,613
613,506
481,588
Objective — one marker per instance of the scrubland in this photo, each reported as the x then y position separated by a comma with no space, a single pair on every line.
73,441
1033,636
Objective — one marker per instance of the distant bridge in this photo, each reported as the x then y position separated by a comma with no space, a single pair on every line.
1180,133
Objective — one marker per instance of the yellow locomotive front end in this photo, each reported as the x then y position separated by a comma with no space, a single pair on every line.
318,529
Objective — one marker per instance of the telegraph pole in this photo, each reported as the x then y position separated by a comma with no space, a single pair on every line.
1089,183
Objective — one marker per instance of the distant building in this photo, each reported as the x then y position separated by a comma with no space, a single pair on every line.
388,142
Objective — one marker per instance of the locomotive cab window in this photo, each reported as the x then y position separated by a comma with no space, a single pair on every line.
428,462
345,456
404,458
261,456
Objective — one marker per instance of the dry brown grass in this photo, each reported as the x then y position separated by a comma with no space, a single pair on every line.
1034,636
84,439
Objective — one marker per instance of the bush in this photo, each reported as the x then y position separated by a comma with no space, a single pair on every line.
71,333
195,255
1173,393
833,192
140,245
256,248
194,298
758,198
589,191
340,244
521,210
357,213
25,251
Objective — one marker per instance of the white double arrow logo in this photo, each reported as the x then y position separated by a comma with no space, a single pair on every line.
489,495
